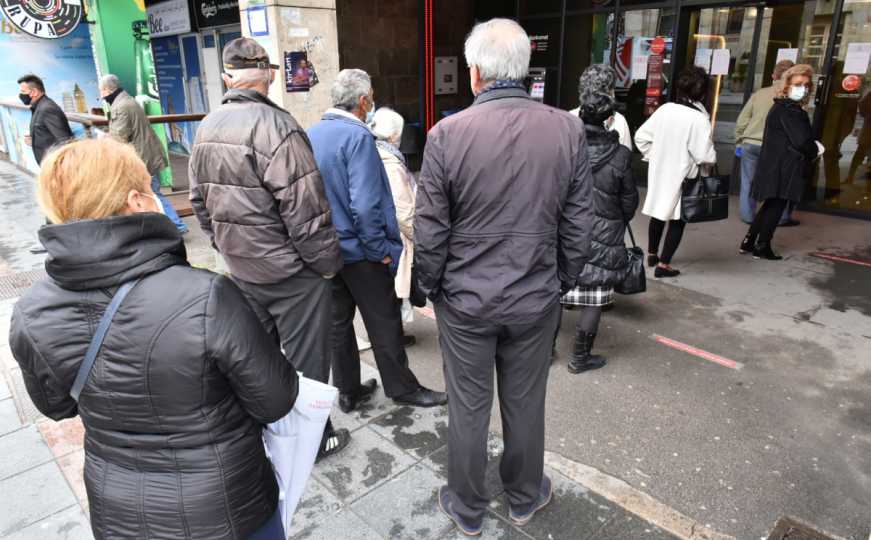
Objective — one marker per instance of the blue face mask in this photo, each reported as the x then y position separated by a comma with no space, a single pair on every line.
370,116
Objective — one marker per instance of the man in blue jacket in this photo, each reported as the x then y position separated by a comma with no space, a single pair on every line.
365,219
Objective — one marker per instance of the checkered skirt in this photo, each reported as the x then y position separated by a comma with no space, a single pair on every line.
588,296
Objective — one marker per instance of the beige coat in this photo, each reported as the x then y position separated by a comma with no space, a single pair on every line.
401,186
128,122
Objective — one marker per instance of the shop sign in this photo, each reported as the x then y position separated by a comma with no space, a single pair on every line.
211,13
169,18
539,43
49,19
851,83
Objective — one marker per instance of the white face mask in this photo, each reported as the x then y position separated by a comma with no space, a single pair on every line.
160,209
370,116
797,93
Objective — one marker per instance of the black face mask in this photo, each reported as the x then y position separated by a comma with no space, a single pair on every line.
25,98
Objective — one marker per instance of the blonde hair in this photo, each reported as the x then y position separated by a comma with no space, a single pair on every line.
90,179
782,88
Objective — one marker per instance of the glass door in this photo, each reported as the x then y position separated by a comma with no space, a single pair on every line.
843,182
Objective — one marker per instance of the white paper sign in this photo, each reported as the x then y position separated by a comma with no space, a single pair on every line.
703,58
720,62
169,18
639,67
858,55
787,54
258,24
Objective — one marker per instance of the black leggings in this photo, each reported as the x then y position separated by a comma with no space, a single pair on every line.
766,220
672,238
588,320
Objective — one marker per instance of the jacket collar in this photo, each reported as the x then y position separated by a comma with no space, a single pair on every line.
501,93
98,253
241,95
334,113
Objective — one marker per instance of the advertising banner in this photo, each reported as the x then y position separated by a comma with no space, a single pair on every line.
169,18
210,13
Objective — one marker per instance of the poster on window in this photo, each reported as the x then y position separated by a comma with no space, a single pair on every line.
299,73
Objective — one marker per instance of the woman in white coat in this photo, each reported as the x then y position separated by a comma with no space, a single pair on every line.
387,126
676,140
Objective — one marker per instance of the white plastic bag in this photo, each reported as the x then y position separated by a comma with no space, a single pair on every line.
292,443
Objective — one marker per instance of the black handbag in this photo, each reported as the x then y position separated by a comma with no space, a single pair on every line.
635,281
416,296
705,198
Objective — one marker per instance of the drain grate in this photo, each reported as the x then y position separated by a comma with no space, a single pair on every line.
14,285
788,528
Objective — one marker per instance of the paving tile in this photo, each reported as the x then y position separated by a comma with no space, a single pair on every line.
575,511
438,461
317,504
22,450
406,507
343,525
4,388
73,468
9,420
495,528
419,432
627,525
39,493
70,524
7,361
366,463
63,437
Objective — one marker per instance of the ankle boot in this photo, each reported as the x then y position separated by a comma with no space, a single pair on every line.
747,245
763,251
581,359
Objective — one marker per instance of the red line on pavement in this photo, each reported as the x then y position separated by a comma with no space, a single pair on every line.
837,258
426,312
695,351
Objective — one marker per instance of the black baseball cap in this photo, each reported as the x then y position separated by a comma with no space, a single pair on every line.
244,53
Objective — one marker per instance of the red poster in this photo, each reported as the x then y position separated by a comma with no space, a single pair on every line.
653,97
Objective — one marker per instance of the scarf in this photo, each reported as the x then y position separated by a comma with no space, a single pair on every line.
390,149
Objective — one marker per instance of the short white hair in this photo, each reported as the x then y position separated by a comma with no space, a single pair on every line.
500,49
248,77
349,85
387,124
110,82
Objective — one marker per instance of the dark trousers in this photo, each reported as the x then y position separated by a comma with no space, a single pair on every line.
298,312
766,220
521,355
370,287
672,238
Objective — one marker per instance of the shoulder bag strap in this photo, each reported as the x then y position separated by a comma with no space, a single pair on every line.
97,340
631,236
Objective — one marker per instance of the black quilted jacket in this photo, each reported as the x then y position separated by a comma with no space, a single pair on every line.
174,404
615,199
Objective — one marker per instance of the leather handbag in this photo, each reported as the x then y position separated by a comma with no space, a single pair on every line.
635,281
705,198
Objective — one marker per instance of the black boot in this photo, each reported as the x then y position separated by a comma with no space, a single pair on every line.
747,245
763,251
581,359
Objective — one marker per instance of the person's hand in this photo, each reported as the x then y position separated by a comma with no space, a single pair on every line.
386,260
28,140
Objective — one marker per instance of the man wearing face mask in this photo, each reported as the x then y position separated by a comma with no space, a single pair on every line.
128,122
48,123
359,192
258,194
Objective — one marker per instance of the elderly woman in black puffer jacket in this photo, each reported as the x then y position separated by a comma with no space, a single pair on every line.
186,376
615,199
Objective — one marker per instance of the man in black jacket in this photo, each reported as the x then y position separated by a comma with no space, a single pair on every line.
48,123
258,194
503,222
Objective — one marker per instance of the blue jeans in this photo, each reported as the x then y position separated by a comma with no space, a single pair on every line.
271,530
167,206
746,204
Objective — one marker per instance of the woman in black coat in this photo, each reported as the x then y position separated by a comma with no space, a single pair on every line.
186,376
788,153
615,199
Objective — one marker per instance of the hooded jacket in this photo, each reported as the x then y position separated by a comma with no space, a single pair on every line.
615,199
174,405
258,194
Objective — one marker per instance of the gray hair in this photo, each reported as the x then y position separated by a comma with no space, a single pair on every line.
110,82
500,49
387,124
349,85
248,77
